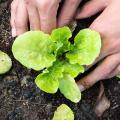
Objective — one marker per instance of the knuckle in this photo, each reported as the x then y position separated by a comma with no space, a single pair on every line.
47,5
27,2
43,7
43,4
105,2
73,1
87,84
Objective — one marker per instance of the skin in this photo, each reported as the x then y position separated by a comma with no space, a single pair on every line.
42,16
108,25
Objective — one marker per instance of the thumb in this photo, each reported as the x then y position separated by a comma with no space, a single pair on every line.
91,8
101,72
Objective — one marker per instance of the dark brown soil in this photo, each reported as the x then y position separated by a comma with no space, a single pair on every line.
20,99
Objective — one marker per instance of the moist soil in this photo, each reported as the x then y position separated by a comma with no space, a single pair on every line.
20,99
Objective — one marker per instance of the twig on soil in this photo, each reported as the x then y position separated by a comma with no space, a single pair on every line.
102,102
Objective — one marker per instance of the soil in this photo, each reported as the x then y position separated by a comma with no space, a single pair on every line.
20,99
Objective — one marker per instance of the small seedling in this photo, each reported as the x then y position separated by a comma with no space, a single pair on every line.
59,59
5,62
63,112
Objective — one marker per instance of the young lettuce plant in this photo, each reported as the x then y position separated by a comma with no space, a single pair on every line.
59,59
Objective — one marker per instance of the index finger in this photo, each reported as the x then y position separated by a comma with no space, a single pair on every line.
68,11
48,13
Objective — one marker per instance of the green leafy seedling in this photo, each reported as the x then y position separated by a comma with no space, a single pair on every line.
59,59
63,112
5,62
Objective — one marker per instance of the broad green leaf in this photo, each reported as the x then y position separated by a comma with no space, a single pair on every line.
47,83
73,69
34,49
5,62
118,76
63,112
48,80
86,48
61,37
69,88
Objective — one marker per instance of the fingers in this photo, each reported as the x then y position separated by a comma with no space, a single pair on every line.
21,18
33,14
91,8
48,12
13,16
68,11
41,15
101,72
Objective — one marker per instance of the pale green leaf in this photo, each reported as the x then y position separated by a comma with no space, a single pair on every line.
34,49
61,37
63,112
69,88
48,80
5,62
73,69
86,48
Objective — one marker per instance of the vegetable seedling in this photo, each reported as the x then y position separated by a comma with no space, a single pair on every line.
59,59
63,112
5,63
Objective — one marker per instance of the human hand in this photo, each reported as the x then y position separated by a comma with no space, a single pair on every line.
108,24
40,14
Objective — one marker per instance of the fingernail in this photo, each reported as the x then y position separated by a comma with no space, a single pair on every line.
82,88
13,32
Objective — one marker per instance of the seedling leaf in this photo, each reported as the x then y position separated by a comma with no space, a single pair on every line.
69,88
48,80
61,37
5,62
86,47
34,49
73,69
63,112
